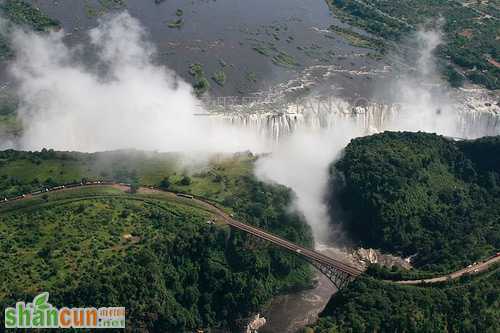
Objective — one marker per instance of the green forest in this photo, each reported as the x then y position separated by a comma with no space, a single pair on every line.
159,258
24,14
369,305
470,32
423,195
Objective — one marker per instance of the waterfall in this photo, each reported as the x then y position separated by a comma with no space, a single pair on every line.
474,124
276,120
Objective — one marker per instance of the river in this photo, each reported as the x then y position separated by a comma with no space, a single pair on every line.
227,35
291,312
248,41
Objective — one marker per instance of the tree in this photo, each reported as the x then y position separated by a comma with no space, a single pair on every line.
185,181
392,176
165,183
134,187
201,86
456,79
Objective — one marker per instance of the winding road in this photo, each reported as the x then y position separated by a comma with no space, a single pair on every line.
307,253
312,256
471,269
317,256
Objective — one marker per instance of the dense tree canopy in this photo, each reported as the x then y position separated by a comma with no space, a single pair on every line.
423,194
417,193
369,305
172,271
469,32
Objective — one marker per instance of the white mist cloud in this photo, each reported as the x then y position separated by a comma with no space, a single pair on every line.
123,101
426,101
301,161
427,41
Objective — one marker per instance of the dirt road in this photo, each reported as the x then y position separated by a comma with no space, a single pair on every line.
471,269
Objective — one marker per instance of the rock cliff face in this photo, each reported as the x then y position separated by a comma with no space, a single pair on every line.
255,324
371,256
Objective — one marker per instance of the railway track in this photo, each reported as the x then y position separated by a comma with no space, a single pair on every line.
338,272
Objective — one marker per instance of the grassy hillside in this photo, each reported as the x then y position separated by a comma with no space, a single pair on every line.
226,179
10,126
423,194
369,305
23,171
177,273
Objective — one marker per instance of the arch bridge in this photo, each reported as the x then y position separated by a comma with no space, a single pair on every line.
339,273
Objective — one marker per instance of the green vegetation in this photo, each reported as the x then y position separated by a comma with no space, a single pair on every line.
196,70
251,76
470,31
262,50
357,39
423,194
278,57
102,7
284,60
21,12
22,172
8,104
201,84
150,252
219,77
454,78
371,18
81,252
10,126
5,50
369,305
90,10
179,12
176,24
112,4
165,184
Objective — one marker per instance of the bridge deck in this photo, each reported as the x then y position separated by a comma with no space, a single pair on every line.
309,254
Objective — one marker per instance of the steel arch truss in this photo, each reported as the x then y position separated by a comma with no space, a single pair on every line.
339,278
